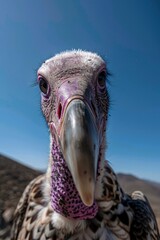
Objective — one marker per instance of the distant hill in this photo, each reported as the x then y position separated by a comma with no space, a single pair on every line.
14,177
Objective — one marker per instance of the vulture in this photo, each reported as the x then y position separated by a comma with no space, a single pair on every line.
79,197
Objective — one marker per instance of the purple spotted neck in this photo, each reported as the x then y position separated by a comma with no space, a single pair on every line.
64,195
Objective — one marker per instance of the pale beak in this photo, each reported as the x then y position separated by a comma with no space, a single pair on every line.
80,148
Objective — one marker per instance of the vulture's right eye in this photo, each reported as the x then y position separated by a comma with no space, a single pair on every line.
102,79
43,85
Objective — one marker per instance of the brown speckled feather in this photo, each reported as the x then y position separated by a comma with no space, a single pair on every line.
119,216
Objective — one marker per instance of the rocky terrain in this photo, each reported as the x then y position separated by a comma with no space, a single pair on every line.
14,177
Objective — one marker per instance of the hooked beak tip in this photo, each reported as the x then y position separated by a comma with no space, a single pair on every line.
88,200
86,191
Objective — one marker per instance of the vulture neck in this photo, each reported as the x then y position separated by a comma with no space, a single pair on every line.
65,198
65,201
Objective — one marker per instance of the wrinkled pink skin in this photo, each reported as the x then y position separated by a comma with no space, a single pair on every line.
64,196
67,91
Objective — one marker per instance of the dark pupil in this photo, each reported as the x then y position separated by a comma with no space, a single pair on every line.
43,85
102,79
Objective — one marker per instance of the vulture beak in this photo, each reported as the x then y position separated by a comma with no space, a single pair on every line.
80,146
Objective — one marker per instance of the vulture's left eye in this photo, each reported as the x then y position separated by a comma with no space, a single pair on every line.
102,79
43,85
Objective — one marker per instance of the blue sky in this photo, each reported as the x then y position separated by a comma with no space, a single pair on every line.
126,33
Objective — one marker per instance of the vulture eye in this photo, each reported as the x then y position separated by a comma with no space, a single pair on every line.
102,79
43,85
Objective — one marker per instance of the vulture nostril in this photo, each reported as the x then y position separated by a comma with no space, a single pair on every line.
59,112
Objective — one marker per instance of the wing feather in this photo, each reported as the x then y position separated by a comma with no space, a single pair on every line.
144,225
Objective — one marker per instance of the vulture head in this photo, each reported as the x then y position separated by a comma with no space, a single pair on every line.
75,102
